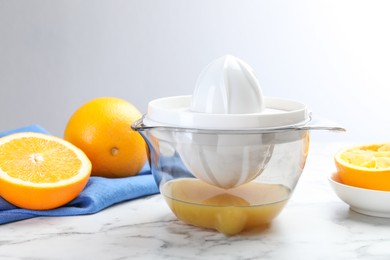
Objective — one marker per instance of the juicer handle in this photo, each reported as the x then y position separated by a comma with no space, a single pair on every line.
320,123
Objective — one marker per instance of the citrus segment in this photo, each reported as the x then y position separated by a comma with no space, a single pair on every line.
102,129
365,166
372,156
39,171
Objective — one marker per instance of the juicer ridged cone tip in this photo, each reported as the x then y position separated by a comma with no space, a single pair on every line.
227,85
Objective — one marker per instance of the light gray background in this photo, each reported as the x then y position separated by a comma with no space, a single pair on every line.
332,55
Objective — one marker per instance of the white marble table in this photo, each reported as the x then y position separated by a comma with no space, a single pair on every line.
314,225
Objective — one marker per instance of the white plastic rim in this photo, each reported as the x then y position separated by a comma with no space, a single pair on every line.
175,111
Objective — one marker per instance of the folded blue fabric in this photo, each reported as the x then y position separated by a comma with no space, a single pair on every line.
99,193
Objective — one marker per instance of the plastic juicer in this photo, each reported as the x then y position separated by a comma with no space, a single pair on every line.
227,157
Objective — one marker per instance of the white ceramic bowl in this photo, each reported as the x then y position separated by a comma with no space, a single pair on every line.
369,202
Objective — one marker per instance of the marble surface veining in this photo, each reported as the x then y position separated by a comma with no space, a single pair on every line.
315,224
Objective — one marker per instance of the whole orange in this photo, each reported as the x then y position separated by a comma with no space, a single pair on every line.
102,129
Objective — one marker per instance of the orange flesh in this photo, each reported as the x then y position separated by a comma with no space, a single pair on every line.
32,160
371,156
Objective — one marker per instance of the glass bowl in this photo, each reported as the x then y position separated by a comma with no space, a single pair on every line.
227,180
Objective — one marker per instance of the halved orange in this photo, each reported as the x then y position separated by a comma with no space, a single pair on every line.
40,171
365,166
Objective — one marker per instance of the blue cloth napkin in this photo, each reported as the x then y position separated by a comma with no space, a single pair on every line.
99,193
